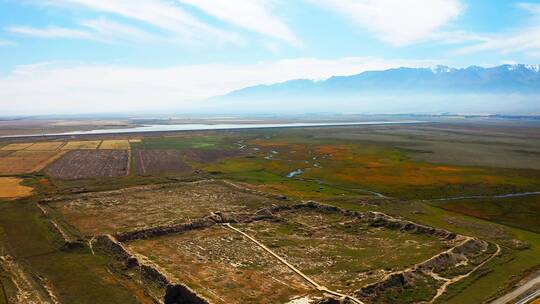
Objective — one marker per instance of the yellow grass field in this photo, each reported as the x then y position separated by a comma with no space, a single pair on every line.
121,144
27,161
10,187
16,147
135,140
45,146
82,145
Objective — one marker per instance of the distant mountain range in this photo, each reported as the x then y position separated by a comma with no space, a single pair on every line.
442,84
506,78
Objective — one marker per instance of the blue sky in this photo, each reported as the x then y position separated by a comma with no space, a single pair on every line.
67,56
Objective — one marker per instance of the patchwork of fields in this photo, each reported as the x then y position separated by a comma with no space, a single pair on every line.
161,232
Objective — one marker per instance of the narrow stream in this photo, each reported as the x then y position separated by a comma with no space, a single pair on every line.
295,173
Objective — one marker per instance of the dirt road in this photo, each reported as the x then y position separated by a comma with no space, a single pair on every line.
509,297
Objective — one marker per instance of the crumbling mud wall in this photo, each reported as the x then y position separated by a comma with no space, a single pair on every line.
202,223
173,291
374,219
425,271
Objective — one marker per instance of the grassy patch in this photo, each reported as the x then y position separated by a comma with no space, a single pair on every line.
522,212
184,142
77,276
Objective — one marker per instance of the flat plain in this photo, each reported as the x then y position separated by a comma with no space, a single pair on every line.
412,187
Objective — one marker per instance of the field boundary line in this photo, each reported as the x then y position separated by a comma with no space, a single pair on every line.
49,161
282,260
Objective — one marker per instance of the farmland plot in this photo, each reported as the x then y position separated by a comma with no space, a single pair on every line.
16,147
10,187
82,164
121,144
45,146
82,145
24,161
157,162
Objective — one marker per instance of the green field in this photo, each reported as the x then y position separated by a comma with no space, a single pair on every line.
521,212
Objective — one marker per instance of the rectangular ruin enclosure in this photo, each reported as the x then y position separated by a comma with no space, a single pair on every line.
148,206
82,145
337,251
20,162
159,162
121,144
82,164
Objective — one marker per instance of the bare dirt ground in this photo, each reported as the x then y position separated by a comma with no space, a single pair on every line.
224,267
90,164
140,207
157,162
38,126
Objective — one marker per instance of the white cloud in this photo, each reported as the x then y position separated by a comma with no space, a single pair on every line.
113,31
524,39
162,14
101,30
54,88
254,15
52,32
396,21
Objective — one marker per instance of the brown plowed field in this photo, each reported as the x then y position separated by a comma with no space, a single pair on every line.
90,164
157,162
26,161
211,155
